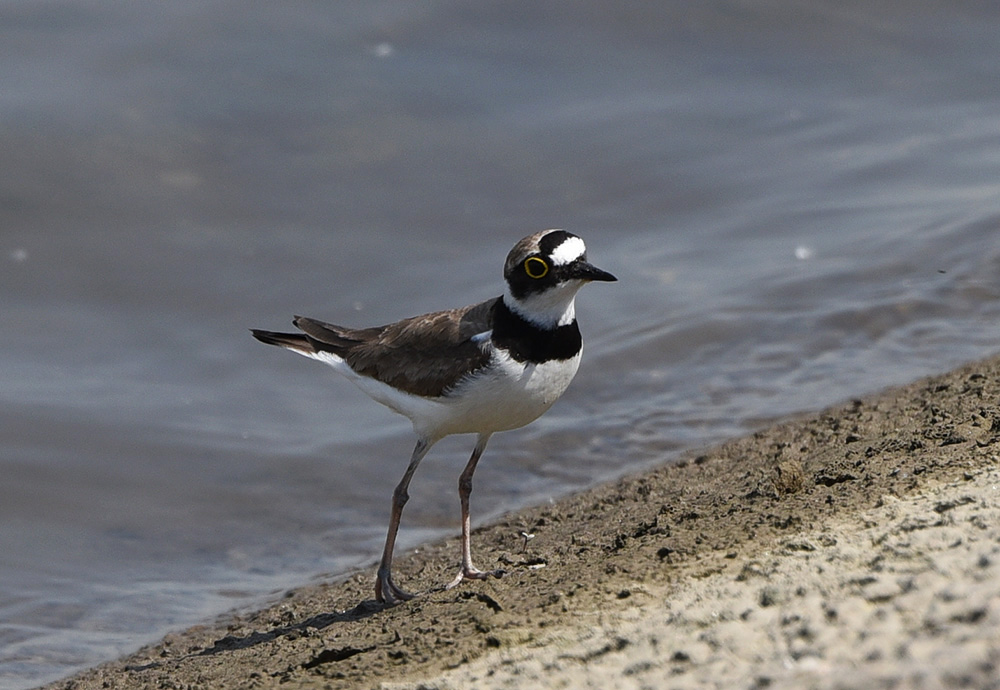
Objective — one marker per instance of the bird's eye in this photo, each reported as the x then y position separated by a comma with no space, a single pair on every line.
536,267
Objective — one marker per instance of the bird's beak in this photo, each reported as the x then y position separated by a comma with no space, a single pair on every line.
581,270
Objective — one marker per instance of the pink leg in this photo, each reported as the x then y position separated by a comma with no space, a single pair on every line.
468,570
386,590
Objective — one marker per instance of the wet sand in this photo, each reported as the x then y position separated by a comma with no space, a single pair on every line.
855,548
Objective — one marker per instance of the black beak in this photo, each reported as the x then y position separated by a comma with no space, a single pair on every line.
581,270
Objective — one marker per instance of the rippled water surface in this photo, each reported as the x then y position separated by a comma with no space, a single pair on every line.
801,201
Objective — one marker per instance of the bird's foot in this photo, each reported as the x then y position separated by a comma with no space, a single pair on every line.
472,573
387,592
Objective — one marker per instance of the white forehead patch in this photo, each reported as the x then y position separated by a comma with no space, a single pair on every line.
570,250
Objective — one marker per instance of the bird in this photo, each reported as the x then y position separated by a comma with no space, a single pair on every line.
492,366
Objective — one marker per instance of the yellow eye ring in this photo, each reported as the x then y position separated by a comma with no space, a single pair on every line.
536,267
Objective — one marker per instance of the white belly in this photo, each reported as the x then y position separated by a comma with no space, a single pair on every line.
508,395
511,395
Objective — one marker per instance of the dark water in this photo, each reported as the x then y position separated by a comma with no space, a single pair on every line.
801,200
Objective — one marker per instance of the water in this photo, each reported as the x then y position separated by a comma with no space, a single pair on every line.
801,201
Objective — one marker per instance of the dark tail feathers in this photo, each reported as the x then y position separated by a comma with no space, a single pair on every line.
292,341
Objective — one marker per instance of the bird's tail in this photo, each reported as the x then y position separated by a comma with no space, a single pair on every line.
292,341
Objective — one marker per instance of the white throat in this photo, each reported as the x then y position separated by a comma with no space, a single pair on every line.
550,309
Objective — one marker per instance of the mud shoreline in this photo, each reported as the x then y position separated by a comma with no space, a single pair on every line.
857,547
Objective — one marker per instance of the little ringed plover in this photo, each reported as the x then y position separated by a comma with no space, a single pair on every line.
488,367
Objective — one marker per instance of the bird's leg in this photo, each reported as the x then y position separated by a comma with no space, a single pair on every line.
468,570
386,590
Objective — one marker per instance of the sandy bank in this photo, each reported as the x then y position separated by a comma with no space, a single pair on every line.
857,548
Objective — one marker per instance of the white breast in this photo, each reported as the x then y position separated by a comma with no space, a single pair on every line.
505,395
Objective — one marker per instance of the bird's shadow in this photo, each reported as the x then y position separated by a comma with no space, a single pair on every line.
231,643
365,609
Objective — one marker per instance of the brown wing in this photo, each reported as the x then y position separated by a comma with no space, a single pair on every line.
424,355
